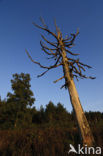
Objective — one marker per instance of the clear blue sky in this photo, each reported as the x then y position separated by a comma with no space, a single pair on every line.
17,34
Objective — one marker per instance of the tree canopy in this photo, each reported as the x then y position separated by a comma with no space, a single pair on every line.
22,94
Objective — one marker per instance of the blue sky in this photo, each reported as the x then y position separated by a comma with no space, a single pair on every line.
17,34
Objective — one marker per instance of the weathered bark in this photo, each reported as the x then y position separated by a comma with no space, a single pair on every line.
84,129
71,68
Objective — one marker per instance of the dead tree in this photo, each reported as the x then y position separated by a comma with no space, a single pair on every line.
60,52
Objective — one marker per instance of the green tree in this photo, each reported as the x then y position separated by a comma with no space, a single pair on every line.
50,111
22,94
14,112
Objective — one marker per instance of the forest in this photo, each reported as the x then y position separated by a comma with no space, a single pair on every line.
26,131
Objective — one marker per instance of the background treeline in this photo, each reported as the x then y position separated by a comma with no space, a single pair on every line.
26,131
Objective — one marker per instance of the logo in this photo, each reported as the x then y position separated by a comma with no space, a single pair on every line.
85,150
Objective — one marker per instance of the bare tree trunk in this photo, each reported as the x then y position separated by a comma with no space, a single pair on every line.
84,129
71,68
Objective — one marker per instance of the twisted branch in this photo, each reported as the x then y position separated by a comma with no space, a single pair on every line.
75,66
45,29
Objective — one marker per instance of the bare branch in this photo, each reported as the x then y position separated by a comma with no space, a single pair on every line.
88,77
77,61
63,86
58,79
35,61
82,76
58,60
80,67
45,29
85,65
46,51
67,39
42,73
44,46
53,44
43,23
50,57
76,70
73,38
71,52
76,76
49,68
57,28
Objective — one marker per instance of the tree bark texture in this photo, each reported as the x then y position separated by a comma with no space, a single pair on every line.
84,129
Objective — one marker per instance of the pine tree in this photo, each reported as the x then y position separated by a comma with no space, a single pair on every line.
22,94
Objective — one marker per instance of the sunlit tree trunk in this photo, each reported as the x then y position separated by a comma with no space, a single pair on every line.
84,129
58,51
